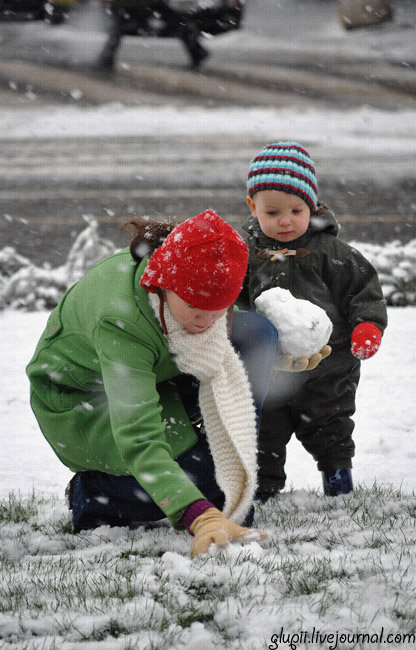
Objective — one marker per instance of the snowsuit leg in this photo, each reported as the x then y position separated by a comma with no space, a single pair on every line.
271,456
318,406
324,408
276,429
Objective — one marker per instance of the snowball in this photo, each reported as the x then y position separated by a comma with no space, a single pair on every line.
304,328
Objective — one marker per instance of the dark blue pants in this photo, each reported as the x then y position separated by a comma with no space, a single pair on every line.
98,498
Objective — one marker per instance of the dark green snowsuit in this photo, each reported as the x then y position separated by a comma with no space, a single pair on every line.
317,405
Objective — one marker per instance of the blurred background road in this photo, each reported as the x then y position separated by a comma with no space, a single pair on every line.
290,55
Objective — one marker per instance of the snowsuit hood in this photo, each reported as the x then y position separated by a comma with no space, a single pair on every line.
323,220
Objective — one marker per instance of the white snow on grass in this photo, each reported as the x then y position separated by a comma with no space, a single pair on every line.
335,573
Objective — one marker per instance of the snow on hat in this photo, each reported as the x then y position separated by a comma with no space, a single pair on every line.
203,260
287,167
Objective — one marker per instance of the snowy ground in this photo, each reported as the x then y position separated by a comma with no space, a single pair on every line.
385,417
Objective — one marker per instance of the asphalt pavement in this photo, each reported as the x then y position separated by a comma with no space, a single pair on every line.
290,53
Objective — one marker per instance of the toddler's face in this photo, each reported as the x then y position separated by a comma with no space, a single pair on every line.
281,216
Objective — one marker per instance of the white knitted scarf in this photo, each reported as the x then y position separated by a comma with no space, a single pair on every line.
226,404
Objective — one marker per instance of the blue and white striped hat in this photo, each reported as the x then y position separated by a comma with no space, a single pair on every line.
287,167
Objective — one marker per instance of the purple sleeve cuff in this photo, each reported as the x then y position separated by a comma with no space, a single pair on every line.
193,511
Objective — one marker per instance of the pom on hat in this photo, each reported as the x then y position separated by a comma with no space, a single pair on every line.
203,260
286,167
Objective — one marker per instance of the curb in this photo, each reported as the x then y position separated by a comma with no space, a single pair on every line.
241,84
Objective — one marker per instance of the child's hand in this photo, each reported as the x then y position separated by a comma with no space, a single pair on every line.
365,340
288,364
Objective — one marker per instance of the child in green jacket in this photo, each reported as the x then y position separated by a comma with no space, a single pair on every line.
138,389
292,240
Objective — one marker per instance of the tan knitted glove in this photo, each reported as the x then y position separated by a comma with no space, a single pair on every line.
288,364
213,528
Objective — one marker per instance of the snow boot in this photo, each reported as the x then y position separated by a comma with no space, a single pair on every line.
263,494
337,481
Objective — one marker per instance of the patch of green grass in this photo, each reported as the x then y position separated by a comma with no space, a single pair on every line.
186,618
305,578
113,629
15,510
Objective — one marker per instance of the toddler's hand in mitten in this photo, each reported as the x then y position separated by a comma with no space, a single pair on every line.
288,364
213,528
365,340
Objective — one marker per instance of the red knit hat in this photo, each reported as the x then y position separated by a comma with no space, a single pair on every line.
203,260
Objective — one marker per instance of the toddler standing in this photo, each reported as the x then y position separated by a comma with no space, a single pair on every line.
293,244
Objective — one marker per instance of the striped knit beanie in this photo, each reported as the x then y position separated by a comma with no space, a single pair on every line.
286,167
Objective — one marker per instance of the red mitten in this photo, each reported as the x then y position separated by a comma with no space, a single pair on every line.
365,340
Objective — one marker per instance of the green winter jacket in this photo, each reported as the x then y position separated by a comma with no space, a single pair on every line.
96,386
325,270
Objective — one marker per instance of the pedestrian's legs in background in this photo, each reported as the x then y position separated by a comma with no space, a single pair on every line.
107,56
190,35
